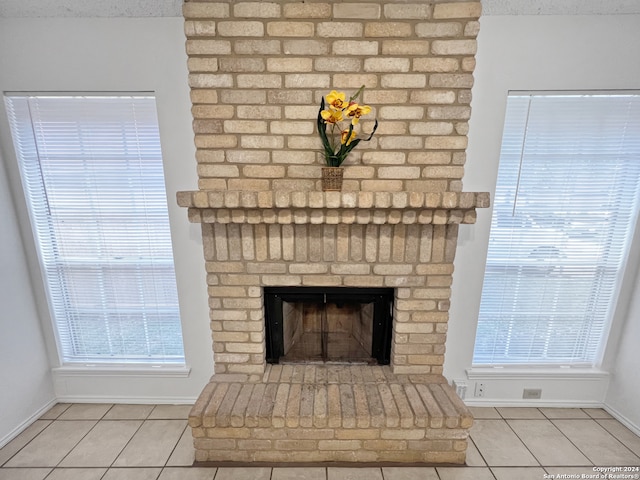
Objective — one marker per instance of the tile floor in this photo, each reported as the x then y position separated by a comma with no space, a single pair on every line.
152,442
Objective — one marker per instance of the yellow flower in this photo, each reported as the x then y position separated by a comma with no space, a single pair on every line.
336,100
331,116
355,111
345,133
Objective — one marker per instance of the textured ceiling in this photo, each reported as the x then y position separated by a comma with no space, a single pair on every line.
172,8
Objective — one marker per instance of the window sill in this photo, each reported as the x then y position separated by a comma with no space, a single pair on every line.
540,373
122,370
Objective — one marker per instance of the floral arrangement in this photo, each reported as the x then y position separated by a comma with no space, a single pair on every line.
338,139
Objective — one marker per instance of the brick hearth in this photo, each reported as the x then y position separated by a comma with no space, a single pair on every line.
339,413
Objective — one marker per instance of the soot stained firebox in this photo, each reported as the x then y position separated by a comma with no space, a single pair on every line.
328,325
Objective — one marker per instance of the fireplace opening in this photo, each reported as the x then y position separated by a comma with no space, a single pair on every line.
328,325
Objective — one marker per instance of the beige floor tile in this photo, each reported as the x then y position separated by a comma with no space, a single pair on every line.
132,474
547,443
243,473
312,473
85,411
152,444
622,433
170,412
409,473
554,413
596,443
77,474
597,413
52,445
519,473
474,459
28,434
23,473
128,412
184,453
55,411
367,473
485,413
183,473
521,413
102,444
464,473
499,446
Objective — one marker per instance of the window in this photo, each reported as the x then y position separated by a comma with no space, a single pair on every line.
92,173
564,213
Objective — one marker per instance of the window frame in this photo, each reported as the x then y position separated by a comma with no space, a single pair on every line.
533,370
83,367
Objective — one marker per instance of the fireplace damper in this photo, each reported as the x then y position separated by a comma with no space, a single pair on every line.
341,325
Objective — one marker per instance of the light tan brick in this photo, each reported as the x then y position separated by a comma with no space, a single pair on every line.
356,10
437,65
245,126
388,29
405,47
446,142
307,10
259,81
386,64
305,47
307,80
240,29
200,28
202,64
205,10
340,29
206,80
256,10
243,97
457,10
239,65
454,47
354,80
440,29
341,64
289,64
290,29
399,80
257,47
408,11
401,113
355,47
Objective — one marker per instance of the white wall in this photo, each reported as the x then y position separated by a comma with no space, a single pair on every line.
535,53
624,389
25,378
124,54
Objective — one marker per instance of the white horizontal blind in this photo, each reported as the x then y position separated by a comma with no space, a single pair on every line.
93,177
565,209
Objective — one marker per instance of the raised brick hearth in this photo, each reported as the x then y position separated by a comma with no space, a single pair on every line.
257,73
309,413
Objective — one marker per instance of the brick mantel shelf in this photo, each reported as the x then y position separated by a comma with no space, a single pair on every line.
285,207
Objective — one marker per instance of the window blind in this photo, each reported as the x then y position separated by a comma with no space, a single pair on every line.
565,208
93,178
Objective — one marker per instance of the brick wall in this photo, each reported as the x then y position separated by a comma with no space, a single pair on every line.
259,69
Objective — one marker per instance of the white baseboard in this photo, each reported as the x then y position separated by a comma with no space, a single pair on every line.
127,400
25,424
623,420
488,402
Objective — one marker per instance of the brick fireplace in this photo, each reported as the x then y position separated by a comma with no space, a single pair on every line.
257,73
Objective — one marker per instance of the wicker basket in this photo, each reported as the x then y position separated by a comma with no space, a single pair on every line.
332,179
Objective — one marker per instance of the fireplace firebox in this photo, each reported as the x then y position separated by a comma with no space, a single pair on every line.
328,325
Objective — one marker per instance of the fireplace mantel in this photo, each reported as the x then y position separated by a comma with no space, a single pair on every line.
299,207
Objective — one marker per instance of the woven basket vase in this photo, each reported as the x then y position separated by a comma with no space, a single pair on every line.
332,179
